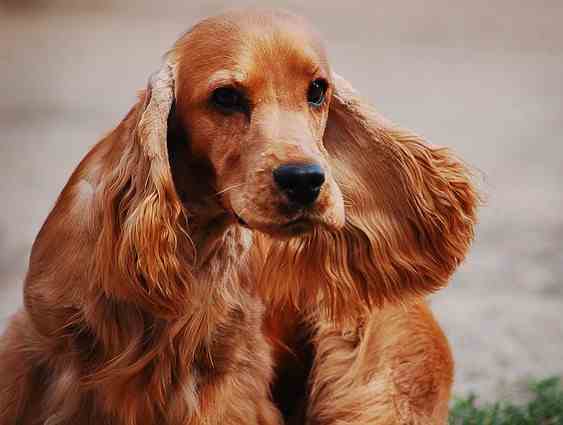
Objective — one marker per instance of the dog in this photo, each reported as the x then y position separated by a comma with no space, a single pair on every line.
252,244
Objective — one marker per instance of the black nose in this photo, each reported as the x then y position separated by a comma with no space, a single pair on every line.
300,183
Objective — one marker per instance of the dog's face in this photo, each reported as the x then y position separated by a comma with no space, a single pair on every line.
253,94
286,141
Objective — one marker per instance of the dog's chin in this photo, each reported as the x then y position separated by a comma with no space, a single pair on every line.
301,226
291,229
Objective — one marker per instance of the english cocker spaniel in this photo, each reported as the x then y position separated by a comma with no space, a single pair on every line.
252,244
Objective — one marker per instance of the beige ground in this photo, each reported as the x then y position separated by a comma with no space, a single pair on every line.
486,79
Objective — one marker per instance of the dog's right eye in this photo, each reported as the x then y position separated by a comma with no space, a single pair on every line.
228,99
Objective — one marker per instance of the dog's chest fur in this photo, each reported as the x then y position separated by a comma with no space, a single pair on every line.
124,365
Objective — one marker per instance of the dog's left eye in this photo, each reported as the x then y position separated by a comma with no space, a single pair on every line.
228,99
317,91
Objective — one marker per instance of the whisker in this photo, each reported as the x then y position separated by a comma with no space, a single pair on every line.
230,188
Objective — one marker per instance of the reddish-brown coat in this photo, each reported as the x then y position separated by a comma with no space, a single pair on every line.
147,303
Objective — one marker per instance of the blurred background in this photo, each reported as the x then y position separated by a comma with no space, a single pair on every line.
483,77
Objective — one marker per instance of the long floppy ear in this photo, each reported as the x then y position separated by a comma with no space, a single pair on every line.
410,216
143,247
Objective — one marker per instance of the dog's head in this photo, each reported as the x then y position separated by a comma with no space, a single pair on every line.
229,129
253,91
281,144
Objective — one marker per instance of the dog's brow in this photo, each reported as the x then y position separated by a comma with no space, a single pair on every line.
221,78
226,77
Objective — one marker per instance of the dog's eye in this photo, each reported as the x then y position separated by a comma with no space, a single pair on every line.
317,91
228,98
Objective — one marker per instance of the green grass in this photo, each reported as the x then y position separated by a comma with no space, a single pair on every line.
546,408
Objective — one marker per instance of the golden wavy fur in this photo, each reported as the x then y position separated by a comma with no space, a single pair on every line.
247,175
375,354
409,218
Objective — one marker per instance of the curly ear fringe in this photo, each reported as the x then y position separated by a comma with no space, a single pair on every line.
444,199
143,223
410,217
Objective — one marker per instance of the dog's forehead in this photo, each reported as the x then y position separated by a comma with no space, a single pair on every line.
250,45
264,28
